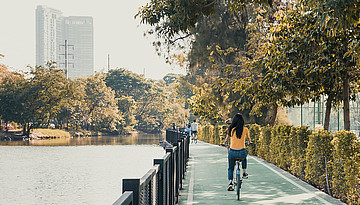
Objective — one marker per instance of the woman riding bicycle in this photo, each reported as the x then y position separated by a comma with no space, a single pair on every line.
237,133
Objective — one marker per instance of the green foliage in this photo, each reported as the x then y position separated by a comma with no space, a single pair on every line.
12,97
255,132
212,134
206,104
102,110
179,16
73,107
127,107
147,105
264,143
171,78
318,155
304,61
126,83
346,167
299,138
279,146
223,29
35,100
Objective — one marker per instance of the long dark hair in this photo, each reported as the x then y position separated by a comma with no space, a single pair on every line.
238,124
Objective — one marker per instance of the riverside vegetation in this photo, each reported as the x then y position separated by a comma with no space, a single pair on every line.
328,161
117,102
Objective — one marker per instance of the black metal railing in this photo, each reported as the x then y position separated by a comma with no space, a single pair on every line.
163,182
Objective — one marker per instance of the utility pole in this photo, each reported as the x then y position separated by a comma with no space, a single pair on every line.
66,55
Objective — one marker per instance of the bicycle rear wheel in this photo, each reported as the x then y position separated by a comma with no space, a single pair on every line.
238,184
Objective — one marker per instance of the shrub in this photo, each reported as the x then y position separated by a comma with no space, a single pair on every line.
346,170
279,146
220,134
201,133
299,138
254,135
264,143
318,155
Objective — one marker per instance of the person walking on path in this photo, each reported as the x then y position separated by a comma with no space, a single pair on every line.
237,133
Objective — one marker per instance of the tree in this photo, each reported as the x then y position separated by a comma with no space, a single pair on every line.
126,83
175,17
34,100
12,97
147,105
308,63
102,110
73,105
47,87
339,17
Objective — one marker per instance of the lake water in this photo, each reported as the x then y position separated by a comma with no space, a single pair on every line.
79,171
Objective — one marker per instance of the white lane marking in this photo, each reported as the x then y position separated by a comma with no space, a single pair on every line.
191,183
291,181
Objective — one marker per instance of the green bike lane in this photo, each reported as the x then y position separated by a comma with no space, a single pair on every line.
206,182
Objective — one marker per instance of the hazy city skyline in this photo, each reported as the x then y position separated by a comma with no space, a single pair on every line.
67,40
116,33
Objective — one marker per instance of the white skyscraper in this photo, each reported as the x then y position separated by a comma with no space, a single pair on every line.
48,34
53,30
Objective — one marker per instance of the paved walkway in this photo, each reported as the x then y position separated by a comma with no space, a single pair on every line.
206,182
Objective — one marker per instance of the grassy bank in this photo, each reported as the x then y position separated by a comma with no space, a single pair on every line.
49,133
42,133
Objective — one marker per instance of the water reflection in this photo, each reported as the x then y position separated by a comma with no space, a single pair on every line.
135,139
63,175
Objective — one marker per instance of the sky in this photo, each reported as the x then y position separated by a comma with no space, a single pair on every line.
116,33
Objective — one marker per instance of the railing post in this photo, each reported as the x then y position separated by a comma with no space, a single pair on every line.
171,176
134,186
177,171
183,155
161,191
181,163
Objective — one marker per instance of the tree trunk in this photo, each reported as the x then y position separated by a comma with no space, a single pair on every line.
24,129
327,112
28,128
6,127
274,114
346,100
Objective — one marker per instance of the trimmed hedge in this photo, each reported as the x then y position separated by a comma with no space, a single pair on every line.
299,138
255,137
212,134
318,158
346,167
328,161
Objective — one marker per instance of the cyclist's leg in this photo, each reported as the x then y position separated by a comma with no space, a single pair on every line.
231,166
231,162
244,162
231,171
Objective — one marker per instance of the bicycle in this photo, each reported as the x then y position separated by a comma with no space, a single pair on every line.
194,137
238,179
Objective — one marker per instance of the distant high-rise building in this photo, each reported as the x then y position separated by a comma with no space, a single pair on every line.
67,40
48,34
